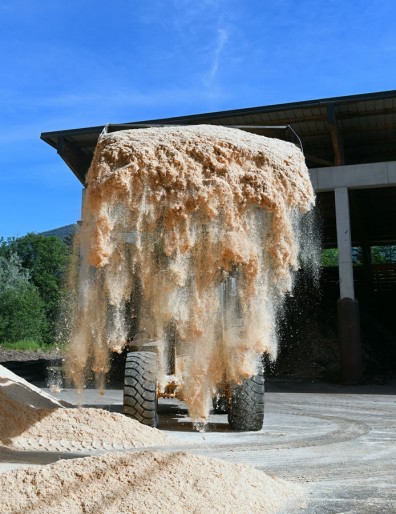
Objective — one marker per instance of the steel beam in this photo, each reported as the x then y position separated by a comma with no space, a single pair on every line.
338,146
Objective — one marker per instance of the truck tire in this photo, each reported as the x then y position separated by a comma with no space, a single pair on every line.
140,387
246,409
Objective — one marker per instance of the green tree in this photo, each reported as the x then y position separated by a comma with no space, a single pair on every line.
22,311
378,255
12,273
46,258
329,257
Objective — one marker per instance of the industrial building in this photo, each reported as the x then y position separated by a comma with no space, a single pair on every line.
349,145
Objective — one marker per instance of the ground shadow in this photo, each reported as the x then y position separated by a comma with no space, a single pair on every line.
297,386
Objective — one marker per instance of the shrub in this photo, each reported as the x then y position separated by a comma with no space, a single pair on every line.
22,314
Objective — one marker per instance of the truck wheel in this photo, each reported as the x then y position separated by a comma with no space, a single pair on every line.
246,409
140,387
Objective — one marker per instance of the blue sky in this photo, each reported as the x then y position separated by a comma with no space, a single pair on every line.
77,63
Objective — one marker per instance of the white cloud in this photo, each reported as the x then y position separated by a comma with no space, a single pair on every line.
222,37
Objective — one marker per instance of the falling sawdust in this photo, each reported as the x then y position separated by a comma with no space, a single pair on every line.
145,482
23,427
192,227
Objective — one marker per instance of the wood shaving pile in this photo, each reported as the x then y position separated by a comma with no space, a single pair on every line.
76,430
146,482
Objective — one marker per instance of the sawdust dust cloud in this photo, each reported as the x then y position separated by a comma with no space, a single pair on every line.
193,226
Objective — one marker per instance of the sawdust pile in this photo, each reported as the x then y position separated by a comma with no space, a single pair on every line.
195,228
145,482
77,430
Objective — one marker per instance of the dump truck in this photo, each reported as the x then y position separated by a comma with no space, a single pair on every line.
242,402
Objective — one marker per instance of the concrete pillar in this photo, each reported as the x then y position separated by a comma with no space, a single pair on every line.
348,307
345,267
350,341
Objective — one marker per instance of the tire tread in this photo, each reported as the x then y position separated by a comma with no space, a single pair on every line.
246,411
140,384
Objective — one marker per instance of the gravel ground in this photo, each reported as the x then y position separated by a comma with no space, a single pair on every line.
24,356
338,441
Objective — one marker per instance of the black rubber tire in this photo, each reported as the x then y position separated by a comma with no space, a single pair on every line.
246,409
140,387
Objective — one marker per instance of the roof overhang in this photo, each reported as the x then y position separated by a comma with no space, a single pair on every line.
334,131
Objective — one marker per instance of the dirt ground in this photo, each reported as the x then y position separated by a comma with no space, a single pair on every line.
338,442
25,356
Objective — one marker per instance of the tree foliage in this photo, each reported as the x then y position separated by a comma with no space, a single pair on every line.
11,272
45,259
22,311
385,254
329,257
